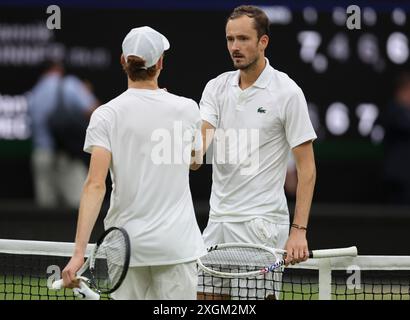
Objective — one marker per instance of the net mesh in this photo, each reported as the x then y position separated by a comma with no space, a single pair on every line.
27,269
345,278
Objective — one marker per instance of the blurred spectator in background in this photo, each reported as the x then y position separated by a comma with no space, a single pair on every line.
397,143
59,106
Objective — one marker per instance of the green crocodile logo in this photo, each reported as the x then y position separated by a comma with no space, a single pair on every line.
261,110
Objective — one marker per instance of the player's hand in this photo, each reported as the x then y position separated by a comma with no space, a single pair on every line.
296,247
69,273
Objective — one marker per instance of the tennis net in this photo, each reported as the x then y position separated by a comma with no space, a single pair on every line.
27,269
342,278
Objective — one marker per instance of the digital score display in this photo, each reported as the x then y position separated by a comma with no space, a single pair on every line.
347,75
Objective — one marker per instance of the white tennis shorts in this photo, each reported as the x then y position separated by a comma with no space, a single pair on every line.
167,282
258,231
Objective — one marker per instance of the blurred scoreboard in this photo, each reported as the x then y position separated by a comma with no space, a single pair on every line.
346,75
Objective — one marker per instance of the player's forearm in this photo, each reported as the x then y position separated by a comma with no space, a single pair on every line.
90,206
208,132
196,160
304,194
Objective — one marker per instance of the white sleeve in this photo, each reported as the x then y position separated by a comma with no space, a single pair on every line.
208,105
298,127
99,130
197,145
197,136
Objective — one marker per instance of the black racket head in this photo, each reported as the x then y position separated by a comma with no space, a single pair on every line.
109,265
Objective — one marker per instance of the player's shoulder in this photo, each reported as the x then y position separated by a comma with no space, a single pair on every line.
116,103
281,80
181,100
185,107
104,112
222,80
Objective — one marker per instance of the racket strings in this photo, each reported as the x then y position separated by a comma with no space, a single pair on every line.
242,259
110,261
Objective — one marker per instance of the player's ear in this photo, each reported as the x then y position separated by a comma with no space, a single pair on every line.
264,40
122,59
160,63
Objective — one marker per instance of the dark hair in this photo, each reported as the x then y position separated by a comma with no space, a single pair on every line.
260,19
133,67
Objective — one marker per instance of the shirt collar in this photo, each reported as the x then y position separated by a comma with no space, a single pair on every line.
262,81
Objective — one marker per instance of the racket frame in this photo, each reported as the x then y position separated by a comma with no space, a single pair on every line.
278,262
93,256
89,264
274,252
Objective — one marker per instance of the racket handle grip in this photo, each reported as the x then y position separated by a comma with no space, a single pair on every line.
84,292
332,253
59,284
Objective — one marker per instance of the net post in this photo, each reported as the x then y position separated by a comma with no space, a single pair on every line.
325,279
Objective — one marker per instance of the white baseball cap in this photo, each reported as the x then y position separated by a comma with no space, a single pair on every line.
146,43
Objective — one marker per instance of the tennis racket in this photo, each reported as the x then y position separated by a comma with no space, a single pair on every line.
106,267
242,260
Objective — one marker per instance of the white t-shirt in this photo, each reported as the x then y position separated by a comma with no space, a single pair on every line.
268,118
150,134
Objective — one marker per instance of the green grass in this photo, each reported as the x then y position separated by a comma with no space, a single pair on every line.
293,291
373,292
310,291
19,288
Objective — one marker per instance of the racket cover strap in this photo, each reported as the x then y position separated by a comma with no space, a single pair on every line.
85,293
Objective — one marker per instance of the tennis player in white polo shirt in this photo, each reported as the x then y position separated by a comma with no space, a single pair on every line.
249,204
145,137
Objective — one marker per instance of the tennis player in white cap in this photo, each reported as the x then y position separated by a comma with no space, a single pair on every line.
146,138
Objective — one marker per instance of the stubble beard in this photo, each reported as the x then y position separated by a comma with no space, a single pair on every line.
245,67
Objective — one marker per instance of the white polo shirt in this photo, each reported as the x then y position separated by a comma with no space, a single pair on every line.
249,171
150,134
